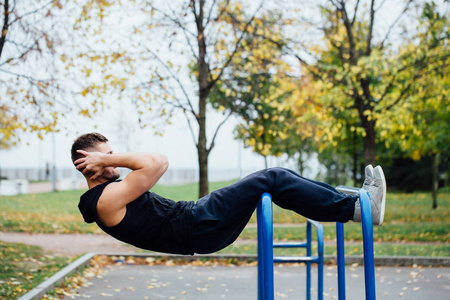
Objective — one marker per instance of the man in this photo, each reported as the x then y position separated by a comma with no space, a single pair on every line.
126,209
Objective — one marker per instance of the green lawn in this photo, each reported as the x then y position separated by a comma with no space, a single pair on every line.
22,267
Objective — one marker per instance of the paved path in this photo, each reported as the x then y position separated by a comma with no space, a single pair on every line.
239,283
70,244
190,282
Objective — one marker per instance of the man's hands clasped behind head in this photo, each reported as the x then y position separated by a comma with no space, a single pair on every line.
92,162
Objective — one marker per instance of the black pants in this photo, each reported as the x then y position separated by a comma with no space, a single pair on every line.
220,217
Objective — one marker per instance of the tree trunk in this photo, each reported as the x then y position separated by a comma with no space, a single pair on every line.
435,177
203,70
202,150
369,144
355,159
300,163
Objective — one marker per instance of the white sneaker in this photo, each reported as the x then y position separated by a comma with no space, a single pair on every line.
375,184
381,206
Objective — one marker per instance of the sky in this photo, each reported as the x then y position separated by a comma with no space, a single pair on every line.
176,143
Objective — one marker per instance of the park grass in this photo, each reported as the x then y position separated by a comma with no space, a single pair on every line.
409,217
23,267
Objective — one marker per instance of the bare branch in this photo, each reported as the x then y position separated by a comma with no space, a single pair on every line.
30,12
395,23
5,26
355,12
187,33
217,130
30,78
208,19
349,28
191,130
173,76
174,20
236,48
369,35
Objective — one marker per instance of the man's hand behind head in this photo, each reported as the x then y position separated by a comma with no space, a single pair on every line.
91,163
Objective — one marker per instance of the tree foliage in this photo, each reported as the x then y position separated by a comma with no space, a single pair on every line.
167,57
257,88
366,75
29,84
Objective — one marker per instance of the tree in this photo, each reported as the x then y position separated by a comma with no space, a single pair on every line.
364,74
256,88
8,128
165,44
420,126
29,88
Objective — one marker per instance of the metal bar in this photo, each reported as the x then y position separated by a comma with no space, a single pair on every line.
296,259
367,230
265,251
340,260
265,263
320,251
259,220
348,190
308,264
290,245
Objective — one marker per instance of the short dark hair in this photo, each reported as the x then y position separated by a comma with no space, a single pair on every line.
85,141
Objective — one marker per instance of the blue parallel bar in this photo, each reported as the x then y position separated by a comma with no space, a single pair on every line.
259,222
367,230
320,252
265,248
340,260
265,252
308,264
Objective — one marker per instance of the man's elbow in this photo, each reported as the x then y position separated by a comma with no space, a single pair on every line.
164,163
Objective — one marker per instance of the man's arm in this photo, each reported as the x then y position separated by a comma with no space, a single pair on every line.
146,168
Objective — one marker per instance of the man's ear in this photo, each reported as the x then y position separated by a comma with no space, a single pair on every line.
81,170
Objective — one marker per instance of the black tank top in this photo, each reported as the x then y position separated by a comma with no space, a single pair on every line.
151,222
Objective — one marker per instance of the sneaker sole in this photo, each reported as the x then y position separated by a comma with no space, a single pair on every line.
378,172
370,169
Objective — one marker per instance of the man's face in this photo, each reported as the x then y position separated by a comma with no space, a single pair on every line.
110,173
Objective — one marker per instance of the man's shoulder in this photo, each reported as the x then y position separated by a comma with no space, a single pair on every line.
98,189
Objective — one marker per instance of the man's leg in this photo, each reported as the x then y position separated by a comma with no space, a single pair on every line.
220,217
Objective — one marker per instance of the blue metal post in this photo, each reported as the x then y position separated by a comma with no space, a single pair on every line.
259,220
340,260
320,237
265,248
308,264
367,230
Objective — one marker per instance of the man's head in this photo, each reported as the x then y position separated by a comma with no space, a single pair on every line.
94,142
87,142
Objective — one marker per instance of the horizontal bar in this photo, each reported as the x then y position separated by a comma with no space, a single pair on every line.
290,245
295,259
314,223
348,190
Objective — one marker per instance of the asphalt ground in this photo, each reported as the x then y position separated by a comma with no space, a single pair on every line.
240,282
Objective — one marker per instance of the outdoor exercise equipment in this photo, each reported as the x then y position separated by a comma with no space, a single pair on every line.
266,245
